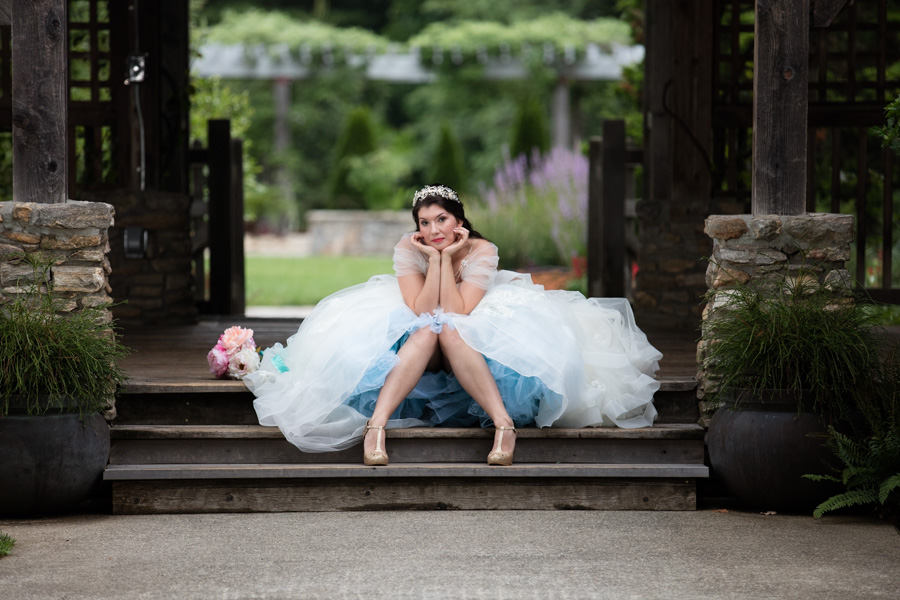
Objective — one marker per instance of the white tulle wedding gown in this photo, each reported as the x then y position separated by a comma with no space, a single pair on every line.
559,359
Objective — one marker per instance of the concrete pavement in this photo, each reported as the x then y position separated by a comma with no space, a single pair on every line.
502,554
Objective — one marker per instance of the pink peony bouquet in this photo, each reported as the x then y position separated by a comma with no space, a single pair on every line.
234,355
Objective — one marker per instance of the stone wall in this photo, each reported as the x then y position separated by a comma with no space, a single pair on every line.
670,282
357,232
73,235
156,287
775,248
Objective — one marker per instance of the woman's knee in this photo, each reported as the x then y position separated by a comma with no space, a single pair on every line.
423,340
449,340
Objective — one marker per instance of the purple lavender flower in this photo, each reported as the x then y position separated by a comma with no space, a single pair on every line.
552,188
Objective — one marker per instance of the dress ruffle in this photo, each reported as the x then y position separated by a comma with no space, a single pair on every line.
558,358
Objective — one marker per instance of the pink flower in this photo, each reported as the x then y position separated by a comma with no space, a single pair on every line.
236,338
218,361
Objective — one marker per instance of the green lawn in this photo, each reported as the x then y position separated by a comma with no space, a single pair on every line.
288,281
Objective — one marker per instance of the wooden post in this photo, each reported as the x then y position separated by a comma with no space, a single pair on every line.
238,304
595,219
40,102
169,62
613,249
221,230
606,213
780,96
5,12
659,69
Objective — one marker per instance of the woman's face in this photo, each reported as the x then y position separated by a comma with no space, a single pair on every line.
436,226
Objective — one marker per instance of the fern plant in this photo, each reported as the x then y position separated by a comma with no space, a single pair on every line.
53,359
870,454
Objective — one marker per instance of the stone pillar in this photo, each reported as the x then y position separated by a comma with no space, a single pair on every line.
74,235
770,247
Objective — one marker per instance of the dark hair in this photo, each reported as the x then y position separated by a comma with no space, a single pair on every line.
451,206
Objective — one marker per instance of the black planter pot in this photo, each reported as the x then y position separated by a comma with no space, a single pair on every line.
50,463
762,449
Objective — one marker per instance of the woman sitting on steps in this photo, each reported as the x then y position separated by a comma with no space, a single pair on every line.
452,341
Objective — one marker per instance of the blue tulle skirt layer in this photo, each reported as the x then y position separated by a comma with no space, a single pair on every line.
439,399
558,360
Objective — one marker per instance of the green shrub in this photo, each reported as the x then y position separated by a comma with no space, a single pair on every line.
51,360
446,165
378,178
530,133
793,334
520,229
357,140
6,544
213,99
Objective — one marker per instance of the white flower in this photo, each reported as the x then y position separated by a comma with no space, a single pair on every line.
243,362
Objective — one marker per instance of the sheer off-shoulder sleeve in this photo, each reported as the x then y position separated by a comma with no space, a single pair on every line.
480,267
408,260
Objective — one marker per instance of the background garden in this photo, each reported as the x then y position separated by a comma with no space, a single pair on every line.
358,143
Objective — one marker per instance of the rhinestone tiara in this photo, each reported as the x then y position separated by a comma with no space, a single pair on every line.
435,190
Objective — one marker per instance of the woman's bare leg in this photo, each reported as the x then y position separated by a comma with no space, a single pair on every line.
473,374
416,354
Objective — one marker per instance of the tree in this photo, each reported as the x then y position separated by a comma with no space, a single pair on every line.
446,166
358,139
530,134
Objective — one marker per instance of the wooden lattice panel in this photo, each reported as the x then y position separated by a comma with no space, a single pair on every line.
854,70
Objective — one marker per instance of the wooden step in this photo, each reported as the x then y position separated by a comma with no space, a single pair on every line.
467,493
207,384
247,444
226,402
161,469
442,470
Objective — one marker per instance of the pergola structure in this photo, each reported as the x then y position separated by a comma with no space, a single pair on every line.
763,107
95,93
281,66
87,135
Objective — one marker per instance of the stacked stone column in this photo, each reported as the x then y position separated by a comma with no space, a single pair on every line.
74,236
776,248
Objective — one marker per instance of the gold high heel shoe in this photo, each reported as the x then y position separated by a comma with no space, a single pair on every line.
498,457
379,456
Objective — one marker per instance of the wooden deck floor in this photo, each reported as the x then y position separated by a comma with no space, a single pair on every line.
173,358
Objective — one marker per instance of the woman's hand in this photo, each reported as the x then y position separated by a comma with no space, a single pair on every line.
418,240
462,237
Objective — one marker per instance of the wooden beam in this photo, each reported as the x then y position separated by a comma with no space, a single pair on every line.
40,106
824,11
5,12
780,96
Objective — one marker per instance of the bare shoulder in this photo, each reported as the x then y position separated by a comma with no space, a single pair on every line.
481,245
